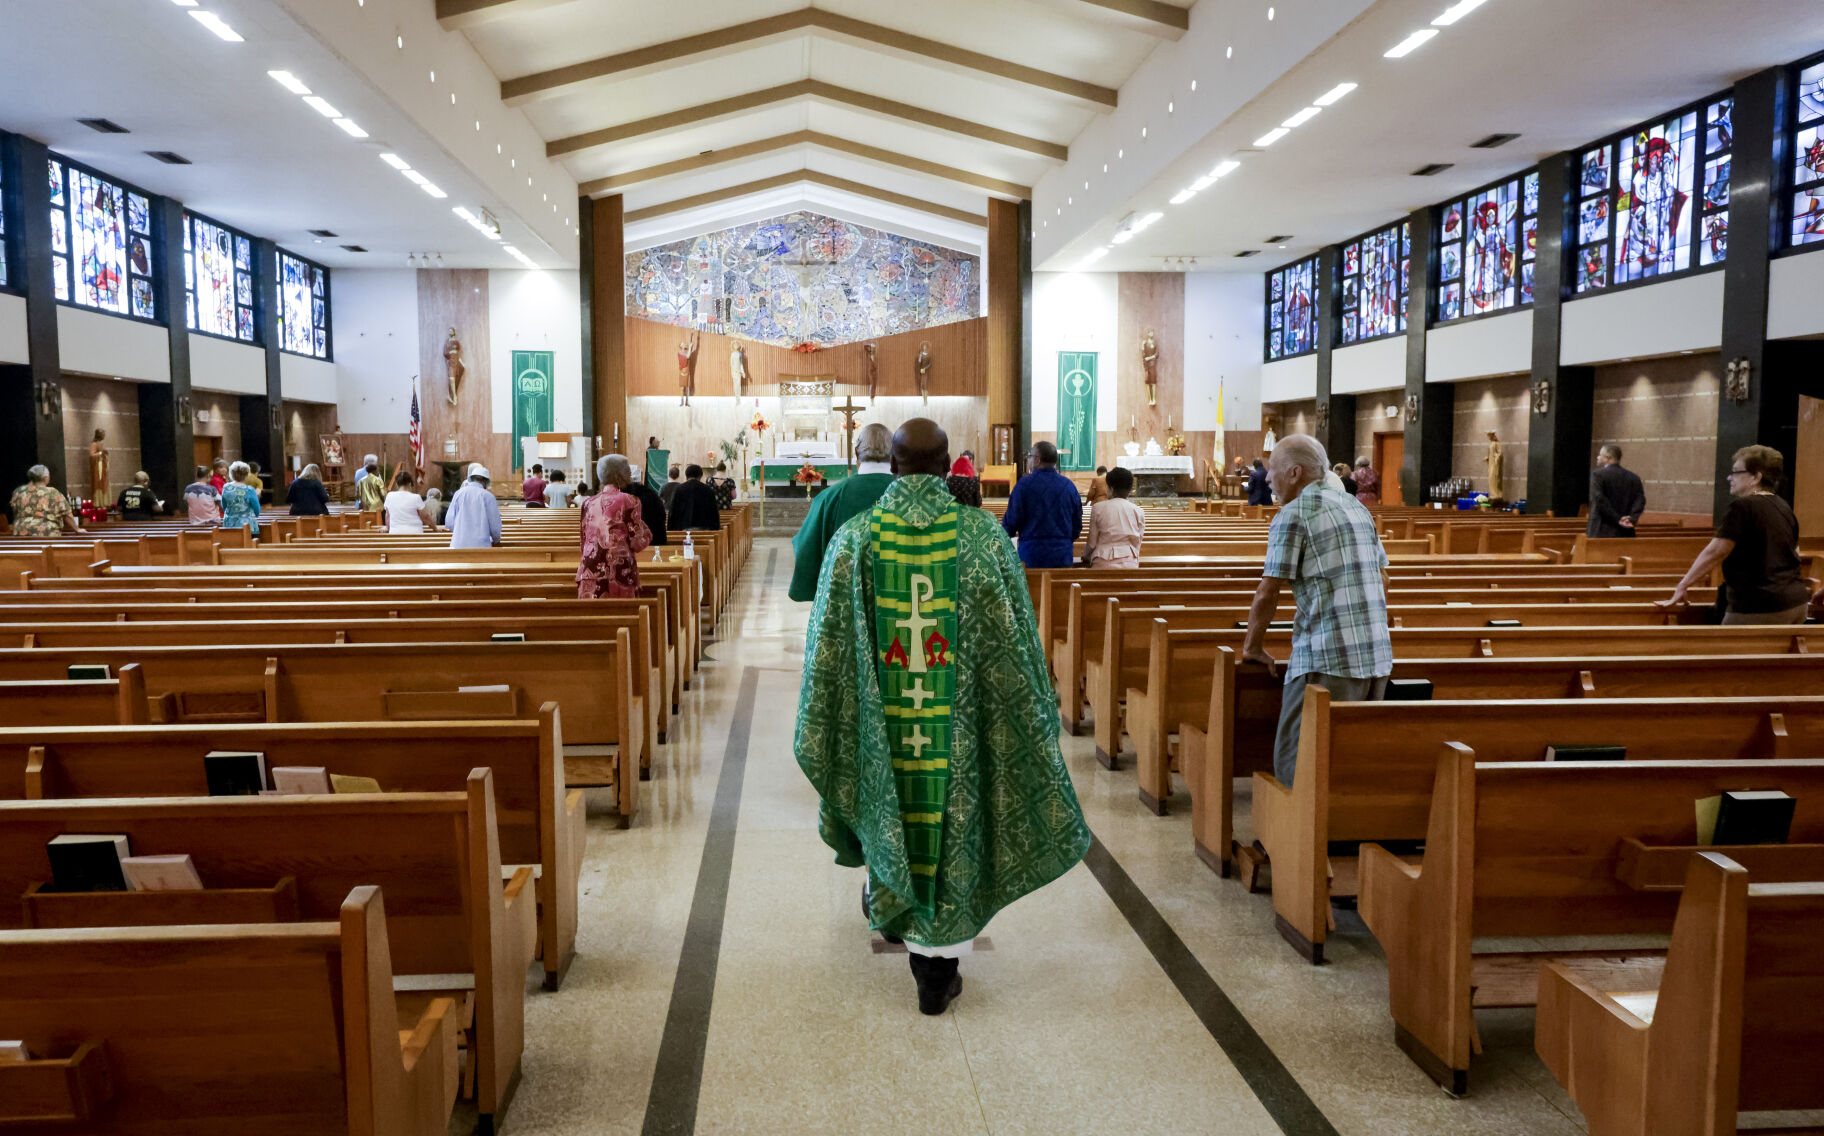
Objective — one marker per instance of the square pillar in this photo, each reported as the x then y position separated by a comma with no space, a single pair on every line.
602,288
167,435
1429,406
31,395
1562,398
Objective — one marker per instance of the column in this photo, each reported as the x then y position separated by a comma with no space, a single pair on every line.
1429,406
1005,324
1023,234
31,396
167,435
262,425
1563,398
603,294
1335,413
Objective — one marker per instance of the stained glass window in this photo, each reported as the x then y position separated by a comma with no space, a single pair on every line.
3,277
1487,242
1645,198
1292,297
218,281
101,243
1808,157
303,307
1375,284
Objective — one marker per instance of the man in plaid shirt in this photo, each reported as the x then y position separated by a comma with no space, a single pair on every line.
1323,542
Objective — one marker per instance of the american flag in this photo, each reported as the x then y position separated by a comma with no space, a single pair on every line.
416,433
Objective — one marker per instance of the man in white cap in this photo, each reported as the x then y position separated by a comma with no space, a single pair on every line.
473,517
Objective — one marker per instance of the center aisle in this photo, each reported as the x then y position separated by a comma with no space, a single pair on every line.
1079,1014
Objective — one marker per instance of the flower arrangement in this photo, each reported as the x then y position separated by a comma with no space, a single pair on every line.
1482,501
807,474
805,348
1174,445
759,425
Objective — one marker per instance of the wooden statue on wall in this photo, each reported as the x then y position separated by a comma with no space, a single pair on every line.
923,365
452,363
1149,359
872,351
98,468
737,368
1494,462
687,368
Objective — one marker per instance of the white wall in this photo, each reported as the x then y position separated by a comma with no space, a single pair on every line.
536,311
223,365
376,326
95,344
307,380
1478,349
1073,311
1684,314
13,345
1289,379
1223,313
1795,301
1376,366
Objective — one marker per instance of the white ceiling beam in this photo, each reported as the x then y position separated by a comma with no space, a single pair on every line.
1154,17
456,14
796,177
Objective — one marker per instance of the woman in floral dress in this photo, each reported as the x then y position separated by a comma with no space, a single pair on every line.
613,535
240,504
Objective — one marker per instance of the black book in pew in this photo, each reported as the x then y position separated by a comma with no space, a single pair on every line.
1586,753
1409,690
88,861
1274,625
1745,816
89,671
233,773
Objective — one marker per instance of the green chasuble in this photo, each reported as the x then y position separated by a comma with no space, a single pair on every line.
946,781
829,509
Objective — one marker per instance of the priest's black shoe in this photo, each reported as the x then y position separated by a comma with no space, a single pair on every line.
867,912
938,982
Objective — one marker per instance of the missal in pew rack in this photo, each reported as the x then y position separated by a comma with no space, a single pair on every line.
1761,816
295,780
234,773
89,671
1586,753
348,783
174,872
14,1051
88,861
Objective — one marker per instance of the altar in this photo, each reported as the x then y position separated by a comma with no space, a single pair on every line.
1156,475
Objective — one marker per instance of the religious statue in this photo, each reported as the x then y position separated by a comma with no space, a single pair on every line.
98,468
1493,462
924,371
687,368
872,350
1149,358
737,368
452,361
1267,443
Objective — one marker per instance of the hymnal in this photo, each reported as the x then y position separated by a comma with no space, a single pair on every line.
1758,816
233,773
1408,690
161,873
90,671
1586,753
88,861
1275,625
292,779
1502,623
498,688
344,783
14,1051
508,637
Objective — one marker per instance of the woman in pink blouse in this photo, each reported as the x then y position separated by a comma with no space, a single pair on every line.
1116,526
613,535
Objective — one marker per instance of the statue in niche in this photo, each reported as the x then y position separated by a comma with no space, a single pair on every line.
98,468
872,351
452,363
1149,359
687,368
737,368
1494,463
923,365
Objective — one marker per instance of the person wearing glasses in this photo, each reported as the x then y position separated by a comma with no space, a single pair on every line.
1757,545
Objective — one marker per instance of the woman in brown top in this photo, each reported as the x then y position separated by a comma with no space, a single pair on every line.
1757,545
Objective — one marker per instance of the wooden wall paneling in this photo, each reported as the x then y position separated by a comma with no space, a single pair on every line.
958,362
605,323
1004,334
458,298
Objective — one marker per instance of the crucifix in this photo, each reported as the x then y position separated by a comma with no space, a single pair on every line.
848,410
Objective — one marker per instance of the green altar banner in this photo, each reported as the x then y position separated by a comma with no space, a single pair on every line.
1077,410
532,395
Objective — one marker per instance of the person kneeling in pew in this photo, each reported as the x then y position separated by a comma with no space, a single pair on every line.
1323,542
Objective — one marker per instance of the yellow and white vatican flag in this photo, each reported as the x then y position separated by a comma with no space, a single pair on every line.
1220,459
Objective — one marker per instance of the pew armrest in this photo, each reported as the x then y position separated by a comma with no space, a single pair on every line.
64,1090
1594,1044
432,1075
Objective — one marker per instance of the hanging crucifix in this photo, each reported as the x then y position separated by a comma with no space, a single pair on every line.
1149,358
848,410
687,368
923,365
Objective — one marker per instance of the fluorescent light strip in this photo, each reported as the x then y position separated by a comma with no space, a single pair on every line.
1456,12
1183,196
1271,137
350,128
1411,43
463,212
415,177
1147,220
289,81
1123,236
432,190
184,3
215,24
1091,259
395,161
1302,117
1224,169
1334,95
321,105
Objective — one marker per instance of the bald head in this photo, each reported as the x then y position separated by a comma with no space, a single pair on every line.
874,443
921,446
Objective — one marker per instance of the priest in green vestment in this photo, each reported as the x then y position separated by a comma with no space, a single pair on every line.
927,721
836,504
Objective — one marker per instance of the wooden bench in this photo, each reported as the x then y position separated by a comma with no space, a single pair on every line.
76,702
1536,850
452,925
1723,1028
223,1031
540,821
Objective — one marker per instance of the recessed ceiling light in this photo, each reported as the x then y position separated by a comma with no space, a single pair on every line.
215,24
289,81
433,76
1070,201
1334,94
400,42
1456,12
452,98
1269,14
1121,153
547,197
528,181
513,163
1271,137
1231,52
1410,44
1193,84
1302,117
1085,185
1282,246
478,124
395,161
1104,167
321,105
349,128
1170,107
497,147
1143,132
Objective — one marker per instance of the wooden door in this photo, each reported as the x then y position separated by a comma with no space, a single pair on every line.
207,450
1389,455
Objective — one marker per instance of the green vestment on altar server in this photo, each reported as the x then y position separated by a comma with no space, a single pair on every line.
927,722
829,510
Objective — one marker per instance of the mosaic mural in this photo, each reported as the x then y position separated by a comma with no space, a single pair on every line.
803,277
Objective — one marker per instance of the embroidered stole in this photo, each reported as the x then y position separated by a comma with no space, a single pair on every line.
914,628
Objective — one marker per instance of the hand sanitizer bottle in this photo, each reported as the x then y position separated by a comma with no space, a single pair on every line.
690,547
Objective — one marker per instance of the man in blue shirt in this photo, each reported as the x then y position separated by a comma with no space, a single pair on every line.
473,517
1044,512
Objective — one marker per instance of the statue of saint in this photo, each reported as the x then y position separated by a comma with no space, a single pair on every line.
687,368
737,368
924,371
1149,359
98,468
1493,462
872,350
452,362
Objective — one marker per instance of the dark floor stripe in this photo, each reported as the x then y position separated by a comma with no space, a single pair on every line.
772,562
671,1107
1278,1091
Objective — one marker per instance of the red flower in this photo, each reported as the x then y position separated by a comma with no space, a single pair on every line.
805,348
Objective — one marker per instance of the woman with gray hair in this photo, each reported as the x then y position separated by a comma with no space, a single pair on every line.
39,509
613,535
240,504
308,496
1367,483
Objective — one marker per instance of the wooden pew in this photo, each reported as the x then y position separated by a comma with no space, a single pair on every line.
76,702
452,926
1535,850
1365,770
223,1031
541,822
1723,1029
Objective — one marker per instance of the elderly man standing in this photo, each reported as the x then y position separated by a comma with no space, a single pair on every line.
473,517
835,505
927,722
1044,512
1617,498
1324,544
